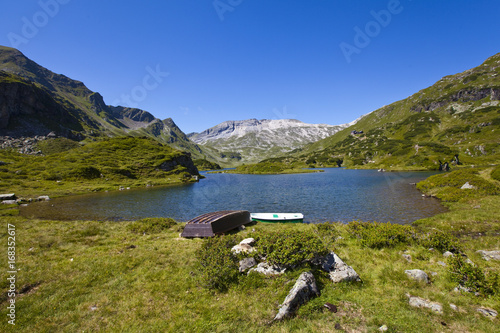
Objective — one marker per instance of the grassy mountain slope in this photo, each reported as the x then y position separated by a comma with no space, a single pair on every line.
69,167
35,101
460,114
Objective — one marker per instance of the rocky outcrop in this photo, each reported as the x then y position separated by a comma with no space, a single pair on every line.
304,289
183,160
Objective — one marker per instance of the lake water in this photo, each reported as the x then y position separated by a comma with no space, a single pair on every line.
337,194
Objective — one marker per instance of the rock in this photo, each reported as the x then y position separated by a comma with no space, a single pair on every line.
487,312
248,241
489,255
43,198
9,202
453,307
467,186
470,262
441,263
242,248
247,263
9,196
339,271
447,254
419,302
304,289
383,328
407,257
266,269
331,307
418,275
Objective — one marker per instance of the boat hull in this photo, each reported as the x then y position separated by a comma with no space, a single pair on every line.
277,217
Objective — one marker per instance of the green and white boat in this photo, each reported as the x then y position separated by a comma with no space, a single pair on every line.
277,217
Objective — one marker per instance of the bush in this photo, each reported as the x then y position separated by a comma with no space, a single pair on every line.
495,174
327,232
441,241
217,266
151,225
88,172
379,235
290,247
472,277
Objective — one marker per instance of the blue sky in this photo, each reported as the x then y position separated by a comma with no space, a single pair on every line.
202,62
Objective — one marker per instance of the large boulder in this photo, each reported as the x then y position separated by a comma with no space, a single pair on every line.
338,270
304,289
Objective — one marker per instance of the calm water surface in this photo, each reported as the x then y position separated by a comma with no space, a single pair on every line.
334,195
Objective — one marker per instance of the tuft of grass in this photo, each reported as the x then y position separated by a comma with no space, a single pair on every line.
151,225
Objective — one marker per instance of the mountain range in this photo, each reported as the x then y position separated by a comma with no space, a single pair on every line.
456,119
255,140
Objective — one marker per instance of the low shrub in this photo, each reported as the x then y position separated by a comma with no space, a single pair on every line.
379,235
290,248
472,277
441,241
327,232
151,225
86,172
217,266
495,174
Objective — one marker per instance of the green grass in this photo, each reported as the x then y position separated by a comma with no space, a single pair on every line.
90,276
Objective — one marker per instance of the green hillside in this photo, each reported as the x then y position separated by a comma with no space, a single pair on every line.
69,168
460,114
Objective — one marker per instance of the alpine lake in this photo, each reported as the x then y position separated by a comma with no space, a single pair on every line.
335,195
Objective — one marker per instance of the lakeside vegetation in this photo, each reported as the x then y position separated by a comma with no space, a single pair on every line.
70,168
267,168
140,276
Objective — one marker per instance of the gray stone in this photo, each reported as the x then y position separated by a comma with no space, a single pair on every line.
447,254
9,202
383,328
9,196
489,255
487,312
242,248
407,257
419,302
453,307
247,263
304,289
418,275
266,269
442,263
43,198
339,270
248,241
467,186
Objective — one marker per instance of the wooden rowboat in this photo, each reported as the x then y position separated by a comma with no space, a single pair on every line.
211,224
277,217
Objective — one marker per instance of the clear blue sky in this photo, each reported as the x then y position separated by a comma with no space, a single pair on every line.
240,59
